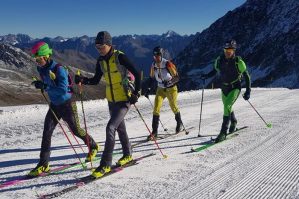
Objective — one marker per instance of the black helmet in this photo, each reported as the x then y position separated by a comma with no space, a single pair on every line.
158,50
232,44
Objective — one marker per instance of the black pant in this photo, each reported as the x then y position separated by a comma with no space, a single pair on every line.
68,112
118,111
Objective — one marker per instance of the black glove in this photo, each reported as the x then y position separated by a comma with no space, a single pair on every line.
246,95
147,92
39,84
134,97
78,79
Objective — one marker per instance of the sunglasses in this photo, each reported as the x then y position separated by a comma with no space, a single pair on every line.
100,46
38,58
229,50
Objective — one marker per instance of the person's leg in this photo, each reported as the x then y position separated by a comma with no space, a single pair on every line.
172,94
117,111
69,114
228,101
160,95
49,126
122,131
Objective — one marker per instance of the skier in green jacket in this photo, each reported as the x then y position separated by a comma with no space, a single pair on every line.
231,69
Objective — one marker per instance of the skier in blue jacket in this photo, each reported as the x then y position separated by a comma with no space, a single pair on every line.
55,81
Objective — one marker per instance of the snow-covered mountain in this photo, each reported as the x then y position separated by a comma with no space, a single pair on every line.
137,47
16,70
267,33
79,52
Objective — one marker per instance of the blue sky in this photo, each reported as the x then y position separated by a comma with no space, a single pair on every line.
69,18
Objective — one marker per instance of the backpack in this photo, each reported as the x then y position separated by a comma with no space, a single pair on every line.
69,77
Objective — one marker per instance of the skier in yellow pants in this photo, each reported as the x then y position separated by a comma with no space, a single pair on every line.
165,73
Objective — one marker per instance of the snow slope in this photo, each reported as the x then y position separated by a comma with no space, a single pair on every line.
259,163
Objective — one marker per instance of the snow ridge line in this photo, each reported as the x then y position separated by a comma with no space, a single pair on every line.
284,171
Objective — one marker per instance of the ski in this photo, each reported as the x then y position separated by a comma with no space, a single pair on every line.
164,136
52,172
88,179
212,141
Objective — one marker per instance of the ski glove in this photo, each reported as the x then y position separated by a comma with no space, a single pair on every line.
134,97
246,95
78,79
147,92
39,84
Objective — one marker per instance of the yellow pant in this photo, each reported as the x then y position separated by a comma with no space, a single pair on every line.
171,94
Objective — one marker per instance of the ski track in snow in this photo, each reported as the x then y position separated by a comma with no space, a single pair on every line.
259,163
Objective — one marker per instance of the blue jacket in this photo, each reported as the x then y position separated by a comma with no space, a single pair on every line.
58,89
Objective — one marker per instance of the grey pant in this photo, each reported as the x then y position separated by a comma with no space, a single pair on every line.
118,111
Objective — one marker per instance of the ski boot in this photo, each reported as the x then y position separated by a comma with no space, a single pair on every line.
90,156
101,171
179,123
233,123
124,160
223,131
38,170
155,125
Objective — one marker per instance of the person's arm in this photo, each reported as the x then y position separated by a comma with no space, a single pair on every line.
124,60
61,85
93,80
96,78
244,71
247,80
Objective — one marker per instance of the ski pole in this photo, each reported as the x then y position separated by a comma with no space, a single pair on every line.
202,93
164,156
84,119
165,129
55,116
269,125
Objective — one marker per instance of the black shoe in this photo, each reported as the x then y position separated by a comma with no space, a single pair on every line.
232,127
233,122
179,123
220,137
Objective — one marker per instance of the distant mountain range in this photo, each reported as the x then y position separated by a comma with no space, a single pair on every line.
17,66
81,52
267,33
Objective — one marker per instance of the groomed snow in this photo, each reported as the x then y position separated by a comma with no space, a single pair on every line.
259,163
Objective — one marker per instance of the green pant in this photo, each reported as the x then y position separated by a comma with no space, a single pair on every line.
229,100
171,94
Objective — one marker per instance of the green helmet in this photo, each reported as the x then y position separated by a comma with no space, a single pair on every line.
41,49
